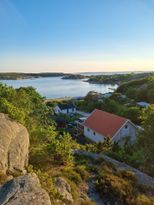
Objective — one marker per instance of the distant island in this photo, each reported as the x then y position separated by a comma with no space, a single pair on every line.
74,76
19,76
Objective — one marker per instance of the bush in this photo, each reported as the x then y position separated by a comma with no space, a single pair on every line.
61,149
81,170
72,175
144,200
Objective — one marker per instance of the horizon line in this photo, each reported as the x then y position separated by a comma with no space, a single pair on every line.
124,71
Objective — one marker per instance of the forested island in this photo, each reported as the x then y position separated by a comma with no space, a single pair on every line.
17,76
74,76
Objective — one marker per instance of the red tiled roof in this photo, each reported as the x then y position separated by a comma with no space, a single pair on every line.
104,123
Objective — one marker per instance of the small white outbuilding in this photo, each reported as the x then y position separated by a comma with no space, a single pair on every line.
65,109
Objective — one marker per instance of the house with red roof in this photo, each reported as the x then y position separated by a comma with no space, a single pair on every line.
100,125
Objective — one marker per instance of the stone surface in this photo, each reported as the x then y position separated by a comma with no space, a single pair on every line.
142,178
64,190
24,190
14,143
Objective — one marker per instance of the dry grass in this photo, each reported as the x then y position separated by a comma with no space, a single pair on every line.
123,186
3,178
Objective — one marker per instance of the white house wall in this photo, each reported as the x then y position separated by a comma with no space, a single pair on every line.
124,132
90,134
65,111
120,137
72,110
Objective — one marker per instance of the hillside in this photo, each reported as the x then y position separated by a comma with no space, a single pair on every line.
140,89
51,153
69,178
117,78
123,102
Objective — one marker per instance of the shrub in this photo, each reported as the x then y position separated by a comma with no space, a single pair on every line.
61,149
72,175
144,200
82,171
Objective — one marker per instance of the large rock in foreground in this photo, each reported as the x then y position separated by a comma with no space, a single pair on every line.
24,190
14,143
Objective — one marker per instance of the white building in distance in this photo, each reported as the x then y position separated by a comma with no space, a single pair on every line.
65,109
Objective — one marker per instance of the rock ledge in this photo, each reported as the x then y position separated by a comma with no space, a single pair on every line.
24,190
14,144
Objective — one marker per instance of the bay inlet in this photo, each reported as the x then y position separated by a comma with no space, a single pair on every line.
56,87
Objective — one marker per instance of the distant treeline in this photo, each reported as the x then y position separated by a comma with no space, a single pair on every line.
118,78
16,76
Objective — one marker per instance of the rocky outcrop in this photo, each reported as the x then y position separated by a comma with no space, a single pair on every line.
142,178
24,190
64,190
14,143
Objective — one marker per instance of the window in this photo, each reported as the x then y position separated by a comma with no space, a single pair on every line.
88,129
94,133
126,126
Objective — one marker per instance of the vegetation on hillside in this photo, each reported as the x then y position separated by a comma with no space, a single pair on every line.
123,103
51,152
140,155
26,106
123,185
117,78
113,105
139,90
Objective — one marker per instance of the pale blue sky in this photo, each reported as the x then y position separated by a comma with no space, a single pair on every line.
76,35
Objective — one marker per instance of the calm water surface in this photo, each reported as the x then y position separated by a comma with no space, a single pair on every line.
55,87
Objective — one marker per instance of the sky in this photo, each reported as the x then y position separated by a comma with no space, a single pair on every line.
76,35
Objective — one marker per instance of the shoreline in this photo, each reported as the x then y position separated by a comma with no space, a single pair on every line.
112,78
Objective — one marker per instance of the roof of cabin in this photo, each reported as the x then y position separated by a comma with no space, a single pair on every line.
104,123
